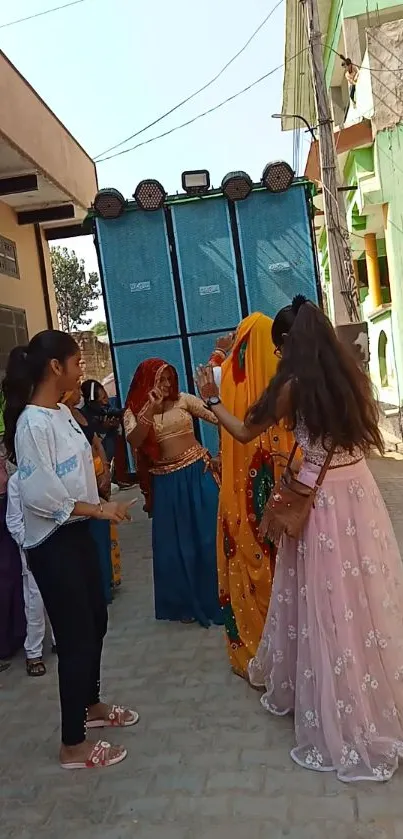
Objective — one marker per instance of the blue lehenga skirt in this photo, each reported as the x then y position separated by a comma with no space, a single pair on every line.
185,504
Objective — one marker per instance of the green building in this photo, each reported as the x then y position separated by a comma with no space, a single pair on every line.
368,125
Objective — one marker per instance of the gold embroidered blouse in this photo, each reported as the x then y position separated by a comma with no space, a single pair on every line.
177,421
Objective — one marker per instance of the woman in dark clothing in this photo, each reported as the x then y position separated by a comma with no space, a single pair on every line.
100,530
100,414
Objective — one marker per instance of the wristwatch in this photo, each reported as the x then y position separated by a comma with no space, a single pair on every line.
213,400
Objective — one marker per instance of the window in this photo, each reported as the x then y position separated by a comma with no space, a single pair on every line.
8,258
382,359
13,332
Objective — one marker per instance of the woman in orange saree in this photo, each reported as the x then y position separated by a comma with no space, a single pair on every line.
246,564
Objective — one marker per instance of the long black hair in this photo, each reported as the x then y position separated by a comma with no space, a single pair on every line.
26,369
327,388
90,390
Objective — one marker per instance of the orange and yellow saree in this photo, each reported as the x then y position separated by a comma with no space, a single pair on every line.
245,564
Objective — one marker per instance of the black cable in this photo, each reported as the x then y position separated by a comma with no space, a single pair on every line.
298,45
361,66
199,116
196,93
40,14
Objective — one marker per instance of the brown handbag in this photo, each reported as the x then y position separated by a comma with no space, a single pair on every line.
290,503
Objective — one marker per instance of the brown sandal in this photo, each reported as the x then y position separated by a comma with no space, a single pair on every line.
35,667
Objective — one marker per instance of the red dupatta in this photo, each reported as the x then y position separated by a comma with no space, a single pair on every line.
145,379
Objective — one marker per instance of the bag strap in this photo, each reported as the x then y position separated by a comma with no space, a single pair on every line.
325,467
293,452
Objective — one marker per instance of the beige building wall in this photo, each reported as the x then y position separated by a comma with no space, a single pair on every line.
26,292
30,126
44,172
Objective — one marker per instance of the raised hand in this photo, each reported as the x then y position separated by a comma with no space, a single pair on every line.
205,382
225,342
156,400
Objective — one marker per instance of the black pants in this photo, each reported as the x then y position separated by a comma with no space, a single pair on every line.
67,571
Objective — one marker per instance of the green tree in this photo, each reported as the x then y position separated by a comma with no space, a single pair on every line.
100,328
75,291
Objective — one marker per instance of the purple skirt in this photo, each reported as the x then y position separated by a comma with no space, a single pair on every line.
12,615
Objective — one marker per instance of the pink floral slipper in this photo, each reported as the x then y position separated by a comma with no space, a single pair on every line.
99,757
116,719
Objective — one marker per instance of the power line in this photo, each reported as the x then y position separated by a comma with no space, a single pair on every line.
196,93
40,14
361,66
199,116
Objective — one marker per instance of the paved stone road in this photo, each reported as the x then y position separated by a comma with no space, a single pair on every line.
205,762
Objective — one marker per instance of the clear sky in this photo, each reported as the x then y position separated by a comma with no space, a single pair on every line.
109,67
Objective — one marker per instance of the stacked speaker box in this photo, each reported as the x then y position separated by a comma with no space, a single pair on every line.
176,279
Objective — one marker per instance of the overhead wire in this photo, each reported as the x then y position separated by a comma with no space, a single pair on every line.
198,116
303,35
342,253
297,133
362,67
196,92
348,285
294,105
40,14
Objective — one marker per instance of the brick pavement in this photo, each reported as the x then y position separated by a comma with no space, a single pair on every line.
205,762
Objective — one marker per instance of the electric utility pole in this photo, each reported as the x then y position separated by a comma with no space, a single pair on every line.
345,297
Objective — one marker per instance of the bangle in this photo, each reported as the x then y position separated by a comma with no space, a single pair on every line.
143,420
100,508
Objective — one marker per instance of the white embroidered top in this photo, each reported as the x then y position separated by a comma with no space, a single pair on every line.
55,470
316,454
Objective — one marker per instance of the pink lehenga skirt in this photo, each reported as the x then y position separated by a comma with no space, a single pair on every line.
332,648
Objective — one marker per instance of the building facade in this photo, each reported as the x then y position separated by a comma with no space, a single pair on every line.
47,183
95,355
368,125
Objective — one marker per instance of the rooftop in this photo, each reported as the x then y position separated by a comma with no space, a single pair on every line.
45,175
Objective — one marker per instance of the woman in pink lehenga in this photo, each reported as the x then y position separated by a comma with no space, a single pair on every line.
332,648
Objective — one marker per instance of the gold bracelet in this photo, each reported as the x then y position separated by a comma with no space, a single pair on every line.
143,420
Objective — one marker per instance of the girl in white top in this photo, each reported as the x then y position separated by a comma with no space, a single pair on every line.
58,490
34,609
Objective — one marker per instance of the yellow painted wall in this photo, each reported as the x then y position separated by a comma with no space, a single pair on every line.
26,293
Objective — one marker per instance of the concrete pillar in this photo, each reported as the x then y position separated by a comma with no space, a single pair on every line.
388,245
374,276
351,38
357,277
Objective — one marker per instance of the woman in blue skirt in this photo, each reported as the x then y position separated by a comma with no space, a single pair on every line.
180,491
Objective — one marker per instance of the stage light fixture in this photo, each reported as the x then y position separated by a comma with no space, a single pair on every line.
236,186
196,182
150,195
109,203
278,176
